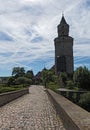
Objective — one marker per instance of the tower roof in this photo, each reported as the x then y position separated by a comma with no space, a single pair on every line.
63,27
63,21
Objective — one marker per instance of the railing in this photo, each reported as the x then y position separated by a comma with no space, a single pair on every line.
72,95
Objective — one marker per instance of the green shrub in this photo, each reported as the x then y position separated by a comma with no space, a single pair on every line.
70,84
82,78
23,81
53,86
85,101
64,77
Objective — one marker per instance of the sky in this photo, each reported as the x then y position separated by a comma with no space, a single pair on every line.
28,29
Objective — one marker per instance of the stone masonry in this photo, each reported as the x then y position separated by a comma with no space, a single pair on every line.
63,49
33,111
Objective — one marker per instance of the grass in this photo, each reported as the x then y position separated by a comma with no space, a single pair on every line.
4,89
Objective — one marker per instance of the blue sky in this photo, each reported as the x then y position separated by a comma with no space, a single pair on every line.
28,28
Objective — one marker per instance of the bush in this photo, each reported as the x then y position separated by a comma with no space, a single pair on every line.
70,84
64,77
85,101
10,81
53,86
82,78
23,81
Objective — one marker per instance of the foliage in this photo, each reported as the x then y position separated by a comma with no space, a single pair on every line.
82,78
10,81
64,76
53,86
9,89
29,74
70,84
19,76
55,78
23,80
48,76
85,101
18,80
18,71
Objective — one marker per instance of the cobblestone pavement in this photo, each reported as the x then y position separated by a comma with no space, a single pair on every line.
33,111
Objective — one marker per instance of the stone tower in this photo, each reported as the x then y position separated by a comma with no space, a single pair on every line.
63,49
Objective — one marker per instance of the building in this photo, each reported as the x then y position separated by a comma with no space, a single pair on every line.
63,49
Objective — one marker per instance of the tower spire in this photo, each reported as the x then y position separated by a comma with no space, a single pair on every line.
62,14
63,21
63,27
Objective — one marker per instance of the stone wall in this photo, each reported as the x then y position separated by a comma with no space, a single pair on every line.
73,116
9,96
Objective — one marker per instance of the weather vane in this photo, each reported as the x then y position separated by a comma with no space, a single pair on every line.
62,14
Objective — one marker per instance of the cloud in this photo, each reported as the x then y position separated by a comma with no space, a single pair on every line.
28,28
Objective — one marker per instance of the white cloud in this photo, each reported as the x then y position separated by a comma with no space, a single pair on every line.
26,20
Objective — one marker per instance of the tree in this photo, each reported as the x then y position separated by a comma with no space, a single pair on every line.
29,74
11,81
85,101
64,77
23,80
70,84
82,78
44,76
48,76
18,71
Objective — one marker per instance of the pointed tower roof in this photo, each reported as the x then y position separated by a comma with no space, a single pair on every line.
63,21
63,27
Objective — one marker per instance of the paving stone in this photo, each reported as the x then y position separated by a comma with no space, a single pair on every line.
33,111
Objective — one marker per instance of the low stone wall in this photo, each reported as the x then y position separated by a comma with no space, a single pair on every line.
73,116
9,96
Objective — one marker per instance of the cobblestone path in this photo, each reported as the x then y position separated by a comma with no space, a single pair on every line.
33,111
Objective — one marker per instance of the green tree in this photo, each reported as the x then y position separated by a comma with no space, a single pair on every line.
85,101
82,78
18,71
11,81
70,84
44,76
29,74
54,86
48,76
23,80
64,77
